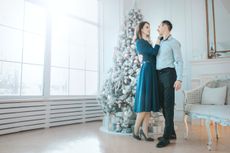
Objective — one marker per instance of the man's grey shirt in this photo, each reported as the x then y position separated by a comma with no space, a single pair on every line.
170,55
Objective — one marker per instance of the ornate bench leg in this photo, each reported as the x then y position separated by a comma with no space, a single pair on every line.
217,131
209,135
186,126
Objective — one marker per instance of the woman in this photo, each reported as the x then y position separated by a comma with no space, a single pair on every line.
146,99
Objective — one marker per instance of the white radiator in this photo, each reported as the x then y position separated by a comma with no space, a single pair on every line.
24,115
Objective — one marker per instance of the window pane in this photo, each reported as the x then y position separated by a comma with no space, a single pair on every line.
91,34
91,82
12,12
77,31
92,47
91,58
60,55
10,44
77,82
32,80
59,81
59,49
91,5
10,76
79,8
77,56
35,18
33,50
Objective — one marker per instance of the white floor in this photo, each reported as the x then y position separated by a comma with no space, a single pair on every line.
87,138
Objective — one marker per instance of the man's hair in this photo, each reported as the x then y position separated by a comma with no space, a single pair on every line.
168,24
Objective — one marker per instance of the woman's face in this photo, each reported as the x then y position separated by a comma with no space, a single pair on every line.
146,29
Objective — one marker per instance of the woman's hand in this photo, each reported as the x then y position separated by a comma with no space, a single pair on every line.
160,37
140,57
134,38
135,35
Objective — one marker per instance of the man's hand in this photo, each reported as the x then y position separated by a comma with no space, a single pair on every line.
177,85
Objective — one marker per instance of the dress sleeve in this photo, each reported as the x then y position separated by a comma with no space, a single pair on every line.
145,48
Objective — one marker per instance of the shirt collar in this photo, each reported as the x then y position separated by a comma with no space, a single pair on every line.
168,38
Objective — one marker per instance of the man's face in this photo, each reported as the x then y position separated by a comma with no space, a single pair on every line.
161,29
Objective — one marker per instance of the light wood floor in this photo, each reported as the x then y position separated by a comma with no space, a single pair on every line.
87,138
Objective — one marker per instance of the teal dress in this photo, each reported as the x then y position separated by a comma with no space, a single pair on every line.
146,98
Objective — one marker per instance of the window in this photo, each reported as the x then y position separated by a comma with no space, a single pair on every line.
74,54
73,42
22,53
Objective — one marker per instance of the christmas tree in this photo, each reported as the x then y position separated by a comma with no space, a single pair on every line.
118,93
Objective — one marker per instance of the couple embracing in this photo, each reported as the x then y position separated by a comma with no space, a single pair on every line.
159,77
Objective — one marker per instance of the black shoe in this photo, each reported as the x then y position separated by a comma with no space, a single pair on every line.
163,143
172,137
136,136
145,137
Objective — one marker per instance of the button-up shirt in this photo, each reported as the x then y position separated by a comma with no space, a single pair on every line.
169,55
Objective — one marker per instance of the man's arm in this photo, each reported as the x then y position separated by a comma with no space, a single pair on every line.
178,64
178,60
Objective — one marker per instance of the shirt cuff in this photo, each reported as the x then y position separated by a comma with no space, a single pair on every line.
179,78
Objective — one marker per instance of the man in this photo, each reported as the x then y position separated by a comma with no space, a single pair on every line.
170,69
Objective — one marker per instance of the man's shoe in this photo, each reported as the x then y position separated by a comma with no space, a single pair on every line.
172,137
162,143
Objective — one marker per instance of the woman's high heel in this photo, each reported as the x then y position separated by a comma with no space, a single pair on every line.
145,137
136,136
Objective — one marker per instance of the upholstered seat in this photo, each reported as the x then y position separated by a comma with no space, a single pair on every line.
219,114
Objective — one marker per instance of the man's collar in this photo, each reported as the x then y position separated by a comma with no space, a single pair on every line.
168,38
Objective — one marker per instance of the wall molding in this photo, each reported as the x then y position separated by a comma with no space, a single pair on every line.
211,61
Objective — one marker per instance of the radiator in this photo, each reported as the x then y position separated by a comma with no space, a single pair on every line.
16,116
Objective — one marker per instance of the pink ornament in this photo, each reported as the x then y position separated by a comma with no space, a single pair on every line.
136,61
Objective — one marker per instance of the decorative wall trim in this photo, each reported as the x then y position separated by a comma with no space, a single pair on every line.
210,69
210,61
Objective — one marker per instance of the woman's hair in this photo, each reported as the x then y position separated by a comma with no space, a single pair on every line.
138,34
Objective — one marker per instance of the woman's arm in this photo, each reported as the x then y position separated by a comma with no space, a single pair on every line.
159,38
145,48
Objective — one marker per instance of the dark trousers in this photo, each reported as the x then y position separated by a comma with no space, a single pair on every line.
166,80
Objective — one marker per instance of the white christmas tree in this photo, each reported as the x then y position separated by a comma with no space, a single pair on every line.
118,93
